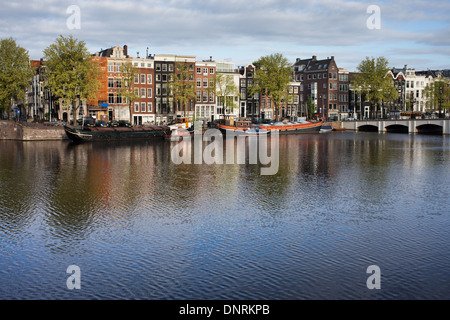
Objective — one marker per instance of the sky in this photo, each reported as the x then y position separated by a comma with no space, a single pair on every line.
406,32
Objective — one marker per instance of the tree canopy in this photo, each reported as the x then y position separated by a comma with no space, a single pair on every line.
438,95
372,80
272,77
127,91
182,85
72,73
226,90
15,73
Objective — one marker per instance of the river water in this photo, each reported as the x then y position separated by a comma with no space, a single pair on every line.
139,226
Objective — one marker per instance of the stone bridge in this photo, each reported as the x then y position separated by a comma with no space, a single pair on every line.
431,126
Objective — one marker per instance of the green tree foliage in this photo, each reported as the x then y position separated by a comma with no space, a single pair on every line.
226,91
182,85
372,79
272,77
72,73
15,73
129,72
438,95
310,108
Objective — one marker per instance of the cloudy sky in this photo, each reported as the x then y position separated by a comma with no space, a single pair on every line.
405,31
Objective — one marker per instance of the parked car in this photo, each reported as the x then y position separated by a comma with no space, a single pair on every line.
113,123
125,123
88,121
101,123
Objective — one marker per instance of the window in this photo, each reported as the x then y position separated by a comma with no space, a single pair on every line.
110,97
143,104
110,82
324,75
211,97
199,83
136,91
164,78
142,92
205,83
119,83
170,67
199,70
119,99
158,67
149,93
205,71
136,107
136,78
164,67
118,67
143,78
110,67
149,79
149,107
211,70
199,96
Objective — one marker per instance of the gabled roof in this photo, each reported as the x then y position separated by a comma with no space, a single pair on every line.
310,65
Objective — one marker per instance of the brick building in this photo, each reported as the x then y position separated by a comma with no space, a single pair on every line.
205,103
319,83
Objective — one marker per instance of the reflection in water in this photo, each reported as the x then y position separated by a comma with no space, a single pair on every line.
140,226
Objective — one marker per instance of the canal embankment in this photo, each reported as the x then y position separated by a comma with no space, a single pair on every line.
10,130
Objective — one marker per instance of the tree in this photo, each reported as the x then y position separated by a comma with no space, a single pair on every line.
15,73
182,85
374,82
225,90
72,73
437,94
129,72
272,77
310,108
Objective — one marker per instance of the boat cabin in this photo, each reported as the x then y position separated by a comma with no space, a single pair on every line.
185,122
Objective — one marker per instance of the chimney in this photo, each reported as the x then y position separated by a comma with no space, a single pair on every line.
314,58
125,50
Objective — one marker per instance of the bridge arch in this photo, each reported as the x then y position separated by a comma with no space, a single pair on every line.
368,128
397,128
430,129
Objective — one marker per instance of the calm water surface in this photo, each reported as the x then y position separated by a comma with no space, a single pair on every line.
141,227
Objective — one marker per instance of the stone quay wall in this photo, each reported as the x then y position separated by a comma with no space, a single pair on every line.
10,130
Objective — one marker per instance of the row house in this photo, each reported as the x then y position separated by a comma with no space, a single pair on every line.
205,103
39,101
115,107
251,105
318,83
168,108
231,105
98,106
410,85
343,107
143,111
